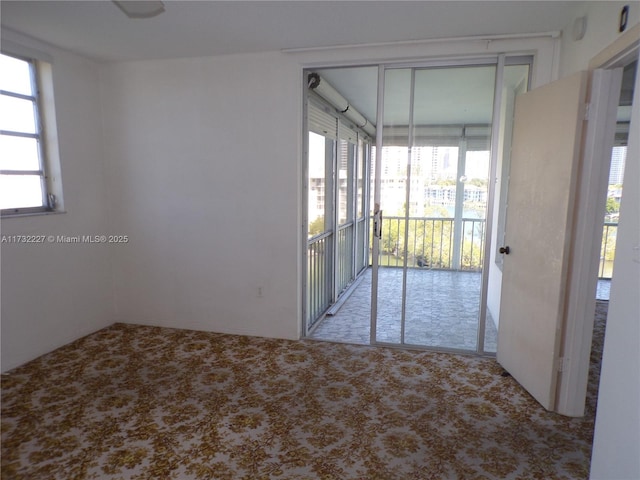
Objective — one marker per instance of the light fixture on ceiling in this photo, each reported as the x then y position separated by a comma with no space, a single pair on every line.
140,9
331,95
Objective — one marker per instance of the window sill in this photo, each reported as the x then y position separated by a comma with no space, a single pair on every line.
31,214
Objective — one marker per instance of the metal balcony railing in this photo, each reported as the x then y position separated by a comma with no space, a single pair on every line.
319,261
330,273
432,242
607,250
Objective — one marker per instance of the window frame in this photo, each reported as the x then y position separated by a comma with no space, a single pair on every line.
48,202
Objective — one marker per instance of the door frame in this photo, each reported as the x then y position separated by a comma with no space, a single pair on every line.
602,96
542,50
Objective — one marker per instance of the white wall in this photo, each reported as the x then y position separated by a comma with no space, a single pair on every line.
204,175
204,164
602,29
617,434
55,293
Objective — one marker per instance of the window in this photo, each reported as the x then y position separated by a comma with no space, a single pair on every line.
24,184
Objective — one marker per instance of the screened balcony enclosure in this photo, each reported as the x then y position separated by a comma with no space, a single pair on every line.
397,199
400,245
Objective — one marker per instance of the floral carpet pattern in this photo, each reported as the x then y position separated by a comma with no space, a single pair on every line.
138,402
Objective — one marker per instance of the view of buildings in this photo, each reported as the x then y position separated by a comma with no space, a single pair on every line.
433,181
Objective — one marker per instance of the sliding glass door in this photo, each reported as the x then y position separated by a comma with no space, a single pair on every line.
432,186
440,156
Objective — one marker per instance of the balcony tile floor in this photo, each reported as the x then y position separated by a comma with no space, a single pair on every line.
441,311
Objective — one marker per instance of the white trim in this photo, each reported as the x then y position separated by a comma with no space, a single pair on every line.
497,119
587,234
427,41
543,49
303,216
376,206
598,141
13,48
621,51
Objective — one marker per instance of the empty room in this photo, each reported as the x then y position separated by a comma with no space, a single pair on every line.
320,239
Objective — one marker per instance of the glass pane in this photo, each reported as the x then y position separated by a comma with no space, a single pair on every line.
360,180
476,187
20,191
393,195
343,182
317,181
16,75
616,172
346,169
452,118
345,270
19,153
17,115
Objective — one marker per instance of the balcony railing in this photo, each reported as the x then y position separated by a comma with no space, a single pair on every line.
432,242
607,250
323,287
319,260
428,243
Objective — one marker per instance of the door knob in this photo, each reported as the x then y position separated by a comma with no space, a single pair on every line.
504,250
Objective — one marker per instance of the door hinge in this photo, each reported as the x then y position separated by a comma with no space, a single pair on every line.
587,111
562,363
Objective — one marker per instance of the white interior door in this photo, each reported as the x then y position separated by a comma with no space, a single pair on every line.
540,208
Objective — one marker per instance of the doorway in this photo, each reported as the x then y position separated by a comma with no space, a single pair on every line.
432,185
615,183
426,276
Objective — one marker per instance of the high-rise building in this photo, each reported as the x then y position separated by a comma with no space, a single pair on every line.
618,158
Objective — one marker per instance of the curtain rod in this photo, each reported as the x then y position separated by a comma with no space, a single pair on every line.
477,38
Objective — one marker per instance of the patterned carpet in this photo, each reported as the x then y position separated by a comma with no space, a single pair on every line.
136,402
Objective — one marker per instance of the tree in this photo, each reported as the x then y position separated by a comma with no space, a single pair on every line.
478,182
435,211
612,206
432,242
316,227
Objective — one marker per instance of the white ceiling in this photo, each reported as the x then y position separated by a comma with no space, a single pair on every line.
98,29
443,96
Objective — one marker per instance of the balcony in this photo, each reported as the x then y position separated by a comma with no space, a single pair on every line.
443,285
430,242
